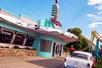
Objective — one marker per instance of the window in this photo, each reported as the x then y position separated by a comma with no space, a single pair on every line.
19,39
78,55
91,57
45,46
5,36
29,41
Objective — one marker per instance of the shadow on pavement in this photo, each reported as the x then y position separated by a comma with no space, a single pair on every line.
48,63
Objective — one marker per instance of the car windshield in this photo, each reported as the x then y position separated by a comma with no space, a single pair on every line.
78,55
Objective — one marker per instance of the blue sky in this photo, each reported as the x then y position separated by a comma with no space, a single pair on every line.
73,13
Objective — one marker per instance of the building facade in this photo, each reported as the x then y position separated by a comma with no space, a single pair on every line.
22,32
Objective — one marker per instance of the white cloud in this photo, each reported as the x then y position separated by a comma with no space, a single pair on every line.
90,15
94,2
99,13
94,25
99,7
96,18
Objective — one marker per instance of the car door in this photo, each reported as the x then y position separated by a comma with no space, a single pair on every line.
92,61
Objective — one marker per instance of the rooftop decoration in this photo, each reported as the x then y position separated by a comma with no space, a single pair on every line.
53,22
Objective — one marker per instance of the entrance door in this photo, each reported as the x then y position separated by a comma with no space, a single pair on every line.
57,49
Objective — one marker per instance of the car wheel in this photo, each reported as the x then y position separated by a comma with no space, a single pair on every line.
88,65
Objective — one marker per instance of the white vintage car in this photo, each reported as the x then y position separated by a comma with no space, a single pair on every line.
79,59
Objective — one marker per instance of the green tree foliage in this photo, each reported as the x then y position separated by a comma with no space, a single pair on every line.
99,63
81,43
76,31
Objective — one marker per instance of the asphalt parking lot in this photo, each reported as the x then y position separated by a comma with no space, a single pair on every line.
30,62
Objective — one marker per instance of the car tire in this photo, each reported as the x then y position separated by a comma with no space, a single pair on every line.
88,65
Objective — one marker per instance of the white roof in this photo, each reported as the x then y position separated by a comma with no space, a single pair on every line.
82,52
49,29
22,21
66,36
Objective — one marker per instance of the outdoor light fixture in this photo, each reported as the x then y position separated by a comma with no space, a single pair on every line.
37,27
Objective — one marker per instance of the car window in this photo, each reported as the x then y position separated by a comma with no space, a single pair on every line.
78,55
91,57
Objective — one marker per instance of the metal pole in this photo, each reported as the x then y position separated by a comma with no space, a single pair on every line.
97,49
90,49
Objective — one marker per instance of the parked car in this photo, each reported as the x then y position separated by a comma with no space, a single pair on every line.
79,59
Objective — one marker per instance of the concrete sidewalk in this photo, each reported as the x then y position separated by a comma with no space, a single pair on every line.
30,62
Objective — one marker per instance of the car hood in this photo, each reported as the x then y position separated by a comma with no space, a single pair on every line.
74,59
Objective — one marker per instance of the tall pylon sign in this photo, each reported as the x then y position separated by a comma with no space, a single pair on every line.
55,14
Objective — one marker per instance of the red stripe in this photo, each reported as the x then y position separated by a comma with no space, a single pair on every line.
57,23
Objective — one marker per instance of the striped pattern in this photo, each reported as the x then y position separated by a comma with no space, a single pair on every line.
55,14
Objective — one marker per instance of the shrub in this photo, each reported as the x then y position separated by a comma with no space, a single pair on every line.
99,63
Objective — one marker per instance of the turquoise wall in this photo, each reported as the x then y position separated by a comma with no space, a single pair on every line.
36,44
45,54
13,27
38,37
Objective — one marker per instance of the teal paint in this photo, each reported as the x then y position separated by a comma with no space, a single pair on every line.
46,23
36,44
42,23
15,28
50,38
45,54
38,37
97,49
90,49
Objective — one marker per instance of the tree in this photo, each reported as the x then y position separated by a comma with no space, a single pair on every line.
76,31
81,43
